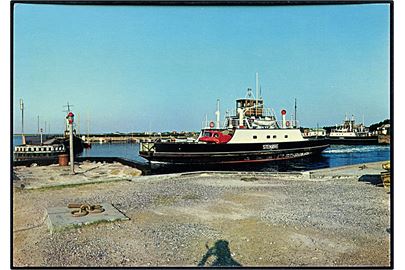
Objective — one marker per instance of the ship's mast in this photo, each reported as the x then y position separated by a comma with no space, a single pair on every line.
78,124
88,124
295,112
217,113
351,123
260,92
257,90
67,111
22,121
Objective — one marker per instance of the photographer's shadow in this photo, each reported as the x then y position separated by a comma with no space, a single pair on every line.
222,255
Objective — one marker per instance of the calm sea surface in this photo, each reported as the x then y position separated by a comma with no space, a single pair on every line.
334,156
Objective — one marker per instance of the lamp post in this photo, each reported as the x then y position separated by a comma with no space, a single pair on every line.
70,119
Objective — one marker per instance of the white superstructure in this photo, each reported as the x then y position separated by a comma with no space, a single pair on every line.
251,123
266,135
349,129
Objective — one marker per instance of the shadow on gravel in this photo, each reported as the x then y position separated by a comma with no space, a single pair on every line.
374,179
222,255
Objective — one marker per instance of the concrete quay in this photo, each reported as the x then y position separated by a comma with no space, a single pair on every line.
322,218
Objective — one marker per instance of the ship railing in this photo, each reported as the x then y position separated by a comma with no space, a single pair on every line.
289,123
246,122
265,112
40,149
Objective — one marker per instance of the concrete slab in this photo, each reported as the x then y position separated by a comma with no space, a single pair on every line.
60,218
55,176
350,171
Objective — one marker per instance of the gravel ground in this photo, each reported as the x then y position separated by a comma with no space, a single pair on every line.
34,177
178,220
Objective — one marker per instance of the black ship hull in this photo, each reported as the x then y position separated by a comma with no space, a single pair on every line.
36,155
353,140
199,153
78,145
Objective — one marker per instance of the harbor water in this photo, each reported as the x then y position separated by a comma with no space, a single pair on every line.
334,156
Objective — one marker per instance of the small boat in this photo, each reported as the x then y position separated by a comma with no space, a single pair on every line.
51,148
34,148
251,135
350,133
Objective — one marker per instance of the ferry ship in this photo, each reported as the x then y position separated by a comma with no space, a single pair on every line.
251,135
351,133
314,133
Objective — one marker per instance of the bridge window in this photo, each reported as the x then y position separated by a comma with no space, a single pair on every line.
254,137
274,136
268,136
285,136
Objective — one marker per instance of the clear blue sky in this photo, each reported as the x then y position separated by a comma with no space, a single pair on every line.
140,68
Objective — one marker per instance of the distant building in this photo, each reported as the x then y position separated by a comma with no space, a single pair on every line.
314,132
384,129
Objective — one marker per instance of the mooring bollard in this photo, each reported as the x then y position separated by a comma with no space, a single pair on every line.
63,159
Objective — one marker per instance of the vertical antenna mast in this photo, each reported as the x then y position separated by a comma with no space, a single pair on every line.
218,115
257,90
78,124
260,91
88,125
295,112
22,120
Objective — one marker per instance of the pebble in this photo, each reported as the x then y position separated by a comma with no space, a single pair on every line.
330,206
